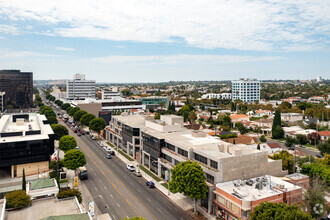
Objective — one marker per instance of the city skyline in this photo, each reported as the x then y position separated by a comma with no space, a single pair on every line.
165,41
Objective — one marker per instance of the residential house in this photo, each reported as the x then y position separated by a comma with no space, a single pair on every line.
242,139
324,135
265,124
292,117
239,118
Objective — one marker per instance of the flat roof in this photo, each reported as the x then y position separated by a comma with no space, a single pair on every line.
247,192
33,124
297,176
45,208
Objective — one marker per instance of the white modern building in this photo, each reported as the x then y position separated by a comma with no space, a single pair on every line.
247,90
217,96
79,88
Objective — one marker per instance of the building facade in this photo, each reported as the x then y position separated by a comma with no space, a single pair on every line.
247,90
217,96
154,101
236,199
2,101
18,87
159,145
79,88
27,142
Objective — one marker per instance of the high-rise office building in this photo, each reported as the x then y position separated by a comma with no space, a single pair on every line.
247,90
18,87
2,101
79,88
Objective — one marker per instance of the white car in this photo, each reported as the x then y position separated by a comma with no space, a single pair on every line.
108,149
130,167
105,148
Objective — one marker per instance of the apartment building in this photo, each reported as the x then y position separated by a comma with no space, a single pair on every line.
2,101
247,90
79,88
154,101
160,145
236,199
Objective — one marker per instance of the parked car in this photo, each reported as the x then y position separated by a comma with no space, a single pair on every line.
108,149
93,137
130,167
105,148
108,156
113,153
82,132
150,184
137,173
78,134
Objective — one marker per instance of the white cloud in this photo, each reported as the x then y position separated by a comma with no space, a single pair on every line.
8,29
69,49
182,59
236,24
4,53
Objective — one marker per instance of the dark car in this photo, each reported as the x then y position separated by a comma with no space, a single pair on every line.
150,184
82,132
108,156
112,153
78,134
319,156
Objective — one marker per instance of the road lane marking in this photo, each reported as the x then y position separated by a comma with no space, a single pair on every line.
111,195
105,187
114,216
100,180
159,210
95,188
118,205
111,182
148,199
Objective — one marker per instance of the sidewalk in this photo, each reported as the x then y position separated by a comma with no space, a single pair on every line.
182,201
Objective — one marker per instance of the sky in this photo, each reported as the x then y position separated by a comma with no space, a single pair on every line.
166,40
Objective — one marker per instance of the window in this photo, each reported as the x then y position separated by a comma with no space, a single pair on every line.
183,152
227,204
214,164
168,158
221,200
200,158
234,208
210,178
298,199
293,201
170,147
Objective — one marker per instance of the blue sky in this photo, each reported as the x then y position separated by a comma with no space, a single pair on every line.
163,40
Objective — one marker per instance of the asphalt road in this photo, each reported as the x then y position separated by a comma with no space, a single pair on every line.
118,191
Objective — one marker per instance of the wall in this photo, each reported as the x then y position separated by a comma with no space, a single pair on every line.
248,166
92,108
30,168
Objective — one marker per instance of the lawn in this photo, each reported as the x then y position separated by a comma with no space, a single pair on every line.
121,152
150,173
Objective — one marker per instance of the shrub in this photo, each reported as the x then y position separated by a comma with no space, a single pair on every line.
17,199
70,193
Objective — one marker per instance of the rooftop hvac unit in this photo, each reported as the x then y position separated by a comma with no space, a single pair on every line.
249,182
258,179
259,186
236,184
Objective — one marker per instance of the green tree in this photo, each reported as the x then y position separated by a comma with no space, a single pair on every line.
258,147
324,148
65,106
70,193
161,104
269,210
59,131
301,139
126,92
68,109
289,141
97,124
23,181
52,120
314,195
49,113
74,159
45,108
52,98
79,114
188,178
287,160
192,117
73,110
313,137
86,118
317,170
277,120
278,133
263,139
67,143
17,199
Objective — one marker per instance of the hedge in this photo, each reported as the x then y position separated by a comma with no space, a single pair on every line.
70,193
17,199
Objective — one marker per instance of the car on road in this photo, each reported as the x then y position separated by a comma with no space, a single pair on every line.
130,167
79,134
93,137
150,184
113,153
105,148
109,156
82,132
108,150
77,148
137,173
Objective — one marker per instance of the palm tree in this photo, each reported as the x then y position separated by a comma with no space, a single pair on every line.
161,104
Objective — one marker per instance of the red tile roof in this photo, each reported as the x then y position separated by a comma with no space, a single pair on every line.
324,133
274,145
242,139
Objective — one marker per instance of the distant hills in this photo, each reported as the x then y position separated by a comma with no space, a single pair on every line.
50,82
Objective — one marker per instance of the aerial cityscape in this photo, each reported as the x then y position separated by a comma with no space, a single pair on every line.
164,110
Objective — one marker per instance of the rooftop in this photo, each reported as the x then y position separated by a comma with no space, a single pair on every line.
44,208
238,116
297,176
42,183
24,127
247,190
